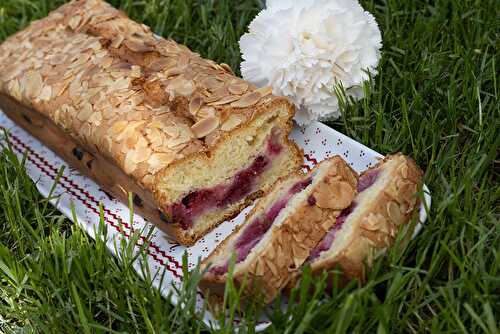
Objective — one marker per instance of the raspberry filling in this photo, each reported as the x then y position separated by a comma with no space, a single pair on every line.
254,232
368,179
327,241
364,182
242,184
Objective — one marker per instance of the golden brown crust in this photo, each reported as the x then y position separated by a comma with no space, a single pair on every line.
393,208
134,100
290,242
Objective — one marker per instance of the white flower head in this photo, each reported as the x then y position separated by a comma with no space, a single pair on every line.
304,48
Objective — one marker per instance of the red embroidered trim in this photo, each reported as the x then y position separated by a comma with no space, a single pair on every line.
311,159
45,167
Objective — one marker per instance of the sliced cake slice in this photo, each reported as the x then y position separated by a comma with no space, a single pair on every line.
279,232
386,201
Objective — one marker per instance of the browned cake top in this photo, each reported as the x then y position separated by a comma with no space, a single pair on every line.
137,99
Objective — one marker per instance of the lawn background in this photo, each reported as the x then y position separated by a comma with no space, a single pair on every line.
436,99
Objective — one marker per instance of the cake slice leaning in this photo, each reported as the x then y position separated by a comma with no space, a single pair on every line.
386,201
280,231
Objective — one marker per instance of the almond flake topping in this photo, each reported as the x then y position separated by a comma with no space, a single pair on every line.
32,82
225,100
46,93
157,161
205,126
248,100
206,112
74,21
195,104
232,122
85,112
375,222
334,195
265,91
394,213
238,88
181,86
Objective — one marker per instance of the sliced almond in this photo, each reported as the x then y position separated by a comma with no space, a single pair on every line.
122,83
260,267
238,88
32,84
335,195
180,142
212,83
85,112
232,122
148,180
225,100
403,171
131,140
142,154
117,128
272,267
136,71
181,86
74,22
172,72
142,143
195,104
162,64
154,136
117,41
374,222
264,91
183,60
205,126
227,68
158,161
57,59
129,165
95,119
15,89
46,93
172,131
137,45
206,112
394,213
248,100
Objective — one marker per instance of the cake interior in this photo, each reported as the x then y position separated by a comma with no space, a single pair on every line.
259,225
270,213
369,186
207,190
200,201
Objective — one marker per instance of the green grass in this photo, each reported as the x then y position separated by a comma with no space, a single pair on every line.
436,99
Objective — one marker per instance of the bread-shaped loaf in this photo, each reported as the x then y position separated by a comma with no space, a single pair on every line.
142,114
280,231
387,200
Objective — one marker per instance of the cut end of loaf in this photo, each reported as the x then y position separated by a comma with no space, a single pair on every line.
198,193
281,229
386,201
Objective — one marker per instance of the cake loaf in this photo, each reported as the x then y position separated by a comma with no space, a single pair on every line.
280,231
387,200
144,115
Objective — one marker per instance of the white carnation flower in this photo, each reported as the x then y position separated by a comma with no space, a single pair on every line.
304,48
